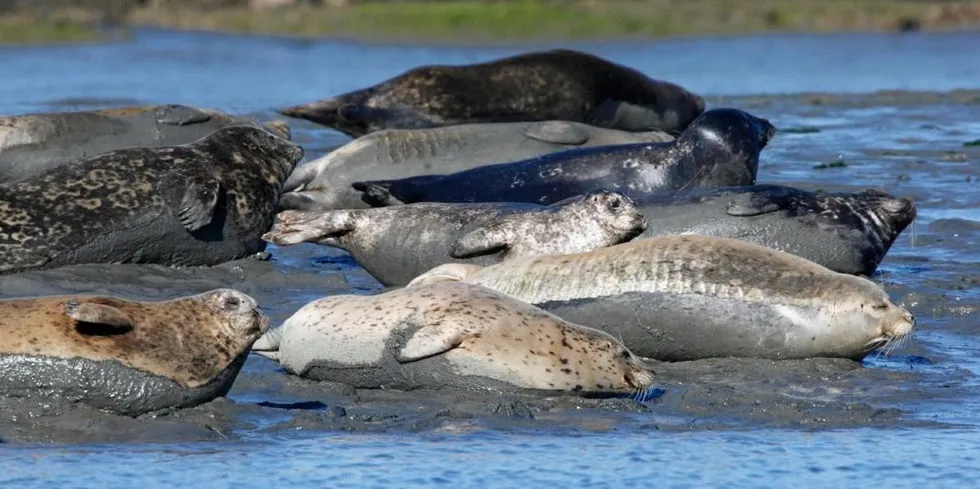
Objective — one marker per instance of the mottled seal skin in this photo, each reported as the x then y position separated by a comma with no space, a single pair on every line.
127,357
324,184
32,144
396,244
202,203
453,335
720,148
845,232
559,84
694,297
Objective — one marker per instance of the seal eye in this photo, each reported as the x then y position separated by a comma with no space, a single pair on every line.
615,204
880,307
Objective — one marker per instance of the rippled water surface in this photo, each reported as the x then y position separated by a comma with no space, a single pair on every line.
897,109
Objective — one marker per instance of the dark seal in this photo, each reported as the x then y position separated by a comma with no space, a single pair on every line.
559,84
197,204
32,144
845,232
721,148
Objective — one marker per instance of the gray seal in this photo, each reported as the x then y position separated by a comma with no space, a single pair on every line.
692,297
559,84
324,184
721,148
127,357
845,232
396,244
451,335
32,144
202,203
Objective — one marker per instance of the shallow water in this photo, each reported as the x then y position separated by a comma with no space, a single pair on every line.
899,420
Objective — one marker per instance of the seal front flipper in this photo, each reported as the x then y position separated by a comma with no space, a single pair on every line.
491,238
98,319
616,114
198,203
376,194
267,346
429,341
764,201
557,132
180,115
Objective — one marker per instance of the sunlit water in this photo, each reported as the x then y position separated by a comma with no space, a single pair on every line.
880,142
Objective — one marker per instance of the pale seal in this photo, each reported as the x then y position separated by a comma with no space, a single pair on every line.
32,144
694,297
559,84
720,148
845,232
202,203
127,357
452,335
324,184
396,244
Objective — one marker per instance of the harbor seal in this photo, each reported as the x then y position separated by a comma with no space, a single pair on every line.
202,203
397,244
32,144
453,335
559,84
693,297
127,357
324,184
720,148
845,232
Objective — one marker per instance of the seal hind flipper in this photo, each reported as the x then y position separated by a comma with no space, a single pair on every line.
491,238
624,115
764,201
197,205
93,319
376,194
430,341
180,115
293,227
279,128
557,132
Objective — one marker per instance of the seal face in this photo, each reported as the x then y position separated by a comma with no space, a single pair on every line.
396,244
692,297
720,148
517,88
324,184
845,232
32,144
128,357
198,204
450,335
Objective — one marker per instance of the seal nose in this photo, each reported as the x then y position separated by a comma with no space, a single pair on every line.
902,327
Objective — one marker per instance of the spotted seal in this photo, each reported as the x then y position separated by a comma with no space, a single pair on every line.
720,148
848,232
396,244
559,84
197,204
695,297
32,144
449,335
124,356
324,184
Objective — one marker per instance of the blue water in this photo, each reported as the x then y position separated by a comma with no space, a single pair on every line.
255,74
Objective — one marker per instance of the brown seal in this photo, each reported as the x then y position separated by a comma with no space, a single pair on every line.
129,357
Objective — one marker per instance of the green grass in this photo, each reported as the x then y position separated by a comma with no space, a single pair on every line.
37,30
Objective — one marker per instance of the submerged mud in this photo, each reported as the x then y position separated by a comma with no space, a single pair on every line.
908,144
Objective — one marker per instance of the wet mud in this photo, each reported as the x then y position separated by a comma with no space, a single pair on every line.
908,144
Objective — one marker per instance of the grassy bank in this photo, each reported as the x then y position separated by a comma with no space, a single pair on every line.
42,29
526,20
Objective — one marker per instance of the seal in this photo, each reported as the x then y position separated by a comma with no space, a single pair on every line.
720,148
845,232
559,84
453,335
202,203
397,244
324,184
127,357
694,297
35,143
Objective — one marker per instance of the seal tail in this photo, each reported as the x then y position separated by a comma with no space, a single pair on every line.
345,113
268,344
